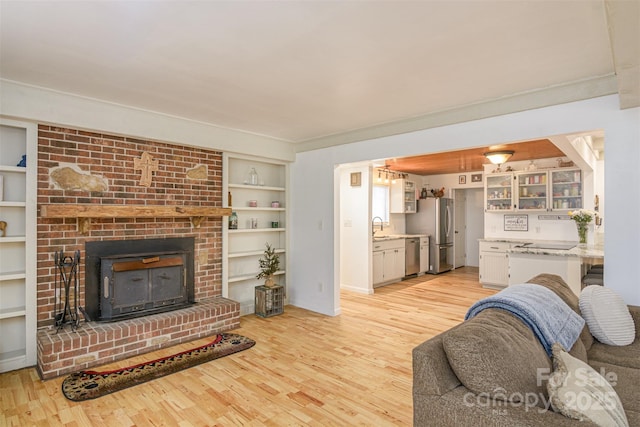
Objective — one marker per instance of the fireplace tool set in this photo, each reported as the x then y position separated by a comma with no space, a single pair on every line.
67,287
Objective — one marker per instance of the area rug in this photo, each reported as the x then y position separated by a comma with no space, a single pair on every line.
85,385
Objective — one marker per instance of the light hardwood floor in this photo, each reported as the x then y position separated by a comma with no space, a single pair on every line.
306,368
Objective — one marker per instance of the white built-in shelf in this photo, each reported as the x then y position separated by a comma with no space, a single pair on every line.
251,253
10,312
245,245
12,275
255,230
12,204
244,277
13,239
18,253
256,187
6,168
258,209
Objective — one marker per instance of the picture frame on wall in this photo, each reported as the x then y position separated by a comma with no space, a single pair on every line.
462,179
476,177
356,179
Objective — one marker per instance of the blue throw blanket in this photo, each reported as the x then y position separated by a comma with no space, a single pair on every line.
550,319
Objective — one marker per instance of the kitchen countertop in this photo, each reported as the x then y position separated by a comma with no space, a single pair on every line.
398,236
579,250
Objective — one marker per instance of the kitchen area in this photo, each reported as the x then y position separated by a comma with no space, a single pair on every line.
514,221
427,245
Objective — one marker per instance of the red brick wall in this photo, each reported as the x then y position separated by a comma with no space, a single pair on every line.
112,157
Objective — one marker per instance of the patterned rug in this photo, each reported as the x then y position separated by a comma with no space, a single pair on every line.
85,385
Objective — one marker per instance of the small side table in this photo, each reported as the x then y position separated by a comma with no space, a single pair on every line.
269,300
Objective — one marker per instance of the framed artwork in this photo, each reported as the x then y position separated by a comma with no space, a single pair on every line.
476,177
516,222
356,179
462,179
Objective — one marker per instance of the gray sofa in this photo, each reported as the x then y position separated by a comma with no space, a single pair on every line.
503,353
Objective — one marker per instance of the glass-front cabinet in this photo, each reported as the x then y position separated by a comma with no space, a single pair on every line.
546,190
499,192
532,190
566,189
403,197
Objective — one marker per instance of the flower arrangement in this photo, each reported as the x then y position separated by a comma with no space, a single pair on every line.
582,217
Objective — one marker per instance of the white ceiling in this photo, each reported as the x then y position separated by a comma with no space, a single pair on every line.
304,70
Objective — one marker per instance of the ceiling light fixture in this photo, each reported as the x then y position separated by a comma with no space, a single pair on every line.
498,157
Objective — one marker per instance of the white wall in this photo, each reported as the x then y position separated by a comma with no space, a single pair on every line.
313,188
355,230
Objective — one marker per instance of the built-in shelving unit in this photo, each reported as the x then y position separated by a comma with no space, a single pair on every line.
264,204
18,246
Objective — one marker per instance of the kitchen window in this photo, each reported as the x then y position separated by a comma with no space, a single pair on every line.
380,202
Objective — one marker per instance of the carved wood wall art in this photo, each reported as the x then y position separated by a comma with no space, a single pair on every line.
147,165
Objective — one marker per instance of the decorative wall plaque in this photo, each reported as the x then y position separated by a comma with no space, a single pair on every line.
147,165
516,222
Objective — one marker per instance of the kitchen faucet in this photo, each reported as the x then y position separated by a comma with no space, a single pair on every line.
373,225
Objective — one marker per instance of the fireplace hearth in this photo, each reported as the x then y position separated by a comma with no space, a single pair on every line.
134,278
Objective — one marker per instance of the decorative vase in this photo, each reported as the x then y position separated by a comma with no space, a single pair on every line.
269,282
583,228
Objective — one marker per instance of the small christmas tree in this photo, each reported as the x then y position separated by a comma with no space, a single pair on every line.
269,264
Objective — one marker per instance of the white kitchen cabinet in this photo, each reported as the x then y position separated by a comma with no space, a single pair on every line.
18,318
388,261
402,197
424,255
542,190
532,191
260,203
378,267
566,189
498,192
494,264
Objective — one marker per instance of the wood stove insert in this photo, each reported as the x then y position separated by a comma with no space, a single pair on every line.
134,278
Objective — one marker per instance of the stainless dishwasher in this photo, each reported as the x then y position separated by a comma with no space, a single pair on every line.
412,256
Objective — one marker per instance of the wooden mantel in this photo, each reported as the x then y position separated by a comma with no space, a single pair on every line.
84,212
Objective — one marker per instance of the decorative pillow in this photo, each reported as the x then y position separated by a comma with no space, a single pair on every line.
577,391
607,315
497,355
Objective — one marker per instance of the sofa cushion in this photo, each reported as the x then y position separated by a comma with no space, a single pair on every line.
607,315
496,354
627,356
579,352
625,382
578,391
560,287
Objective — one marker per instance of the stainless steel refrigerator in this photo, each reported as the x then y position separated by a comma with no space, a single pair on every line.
435,218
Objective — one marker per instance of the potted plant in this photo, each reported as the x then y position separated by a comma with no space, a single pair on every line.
269,264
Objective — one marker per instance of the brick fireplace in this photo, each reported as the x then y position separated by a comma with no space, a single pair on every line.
76,167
